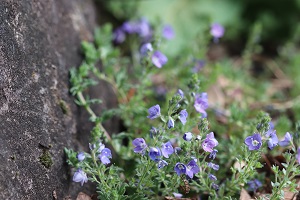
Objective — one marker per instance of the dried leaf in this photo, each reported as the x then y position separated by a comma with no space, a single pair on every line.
244,195
83,196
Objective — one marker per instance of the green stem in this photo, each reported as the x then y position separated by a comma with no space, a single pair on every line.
93,115
115,88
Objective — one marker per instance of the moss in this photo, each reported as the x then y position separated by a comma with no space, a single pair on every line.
46,159
64,107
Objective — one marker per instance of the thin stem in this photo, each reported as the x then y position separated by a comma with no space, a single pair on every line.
91,112
115,88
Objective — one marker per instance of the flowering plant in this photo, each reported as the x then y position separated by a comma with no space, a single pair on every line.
172,148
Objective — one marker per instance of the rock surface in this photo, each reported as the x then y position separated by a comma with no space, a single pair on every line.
39,42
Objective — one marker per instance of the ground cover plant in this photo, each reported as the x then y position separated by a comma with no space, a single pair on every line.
194,126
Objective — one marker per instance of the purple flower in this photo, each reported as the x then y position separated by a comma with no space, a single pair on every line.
153,131
182,116
180,169
105,155
119,36
80,176
80,156
298,155
212,177
217,31
101,147
159,59
167,149
188,136
254,185
273,140
213,166
181,93
271,129
130,27
145,48
287,140
161,164
170,123
215,186
177,195
209,143
144,29
140,27
177,150
168,32
213,154
201,103
253,142
154,154
198,66
92,146
154,112
192,168
140,145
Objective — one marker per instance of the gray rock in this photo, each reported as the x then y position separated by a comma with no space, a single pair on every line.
39,42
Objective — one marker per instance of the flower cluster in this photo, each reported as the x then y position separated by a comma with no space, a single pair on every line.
140,27
102,153
143,29
254,142
159,153
190,169
155,153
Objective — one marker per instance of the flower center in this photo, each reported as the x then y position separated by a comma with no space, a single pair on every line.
255,142
181,167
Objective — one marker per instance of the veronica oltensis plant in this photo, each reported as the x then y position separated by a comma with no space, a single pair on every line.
168,148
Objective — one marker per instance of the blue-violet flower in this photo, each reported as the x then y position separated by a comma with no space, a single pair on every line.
177,150
159,59
180,169
170,123
161,164
119,36
253,142
80,176
154,112
168,32
183,114
167,149
209,143
213,154
212,177
213,166
192,168
201,103
105,155
287,140
188,136
217,31
139,145
80,156
254,185
155,154
153,132
145,48
177,195
273,140
181,93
